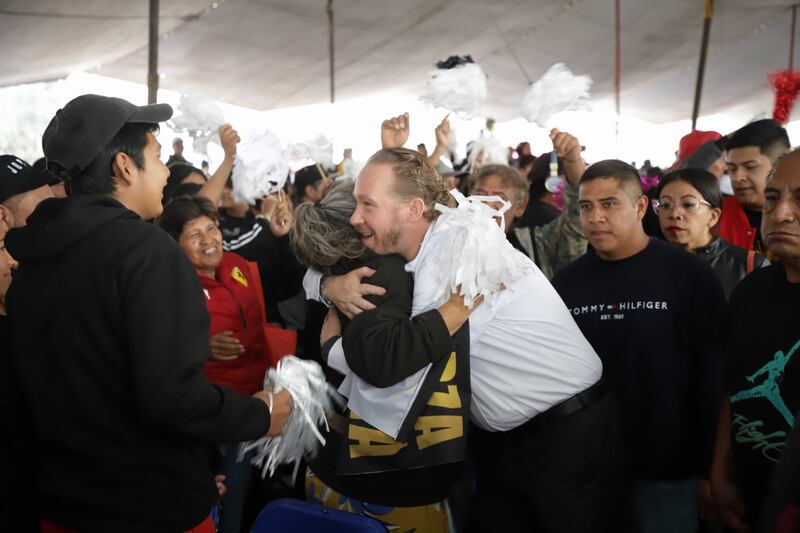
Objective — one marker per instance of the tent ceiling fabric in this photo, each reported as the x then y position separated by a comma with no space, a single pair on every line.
268,54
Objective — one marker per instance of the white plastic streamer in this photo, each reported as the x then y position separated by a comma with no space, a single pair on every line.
200,117
318,149
312,399
461,89
262,166
476,257
558,90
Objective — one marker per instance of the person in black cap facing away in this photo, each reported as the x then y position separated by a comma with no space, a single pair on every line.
311,183
22,187
110,333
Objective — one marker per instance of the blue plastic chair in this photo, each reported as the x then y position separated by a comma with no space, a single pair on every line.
294,516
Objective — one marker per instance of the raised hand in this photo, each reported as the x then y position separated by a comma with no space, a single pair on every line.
394,131
229,138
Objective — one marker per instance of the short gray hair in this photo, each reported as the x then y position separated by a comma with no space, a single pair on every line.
509,176
321,235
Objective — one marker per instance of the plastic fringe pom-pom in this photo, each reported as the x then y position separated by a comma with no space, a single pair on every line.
200,117
558,90
475,254
262,166
489,151
462,88
312,399
318,150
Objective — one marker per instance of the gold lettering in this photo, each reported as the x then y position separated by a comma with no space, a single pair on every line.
371,442
449,399
449,369
438,429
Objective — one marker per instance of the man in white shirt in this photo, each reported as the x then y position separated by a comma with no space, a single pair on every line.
545,433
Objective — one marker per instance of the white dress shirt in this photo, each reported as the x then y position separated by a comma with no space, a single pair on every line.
527,354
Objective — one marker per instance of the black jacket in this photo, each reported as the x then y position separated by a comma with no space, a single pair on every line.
729,262
110,333
384,346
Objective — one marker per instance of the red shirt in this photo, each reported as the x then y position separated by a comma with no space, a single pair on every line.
232,302
734,226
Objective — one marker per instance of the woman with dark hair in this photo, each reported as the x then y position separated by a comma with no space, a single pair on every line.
237,356
410,499
689,205
180,174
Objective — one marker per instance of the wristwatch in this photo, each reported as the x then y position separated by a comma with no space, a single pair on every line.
322,283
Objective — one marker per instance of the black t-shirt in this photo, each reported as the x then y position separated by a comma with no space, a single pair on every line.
762,335
653,320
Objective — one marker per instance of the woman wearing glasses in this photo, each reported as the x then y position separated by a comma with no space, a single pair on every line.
689,204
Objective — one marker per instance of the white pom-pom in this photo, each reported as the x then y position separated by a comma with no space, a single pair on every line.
487,151
558,90
262,166
319,150
200,117
472,249
312,399
461,89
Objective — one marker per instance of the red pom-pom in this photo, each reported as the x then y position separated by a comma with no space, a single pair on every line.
786,84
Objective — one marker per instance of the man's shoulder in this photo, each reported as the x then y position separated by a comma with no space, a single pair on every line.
760,284
671,257
575,269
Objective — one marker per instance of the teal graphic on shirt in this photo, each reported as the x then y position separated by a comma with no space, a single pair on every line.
769,388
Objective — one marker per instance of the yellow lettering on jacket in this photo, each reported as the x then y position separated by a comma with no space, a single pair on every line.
449,370
448,400
371,442
438,429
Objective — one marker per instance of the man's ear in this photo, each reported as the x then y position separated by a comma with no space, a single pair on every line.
641,206
6,219
123,166
309,191
519,209
416,209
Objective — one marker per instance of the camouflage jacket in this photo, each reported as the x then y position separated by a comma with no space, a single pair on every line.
557,243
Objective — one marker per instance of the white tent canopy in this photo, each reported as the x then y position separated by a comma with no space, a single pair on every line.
268,54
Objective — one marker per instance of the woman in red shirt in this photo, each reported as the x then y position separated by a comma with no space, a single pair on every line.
237,357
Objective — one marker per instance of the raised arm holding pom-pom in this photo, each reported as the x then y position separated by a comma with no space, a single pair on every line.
568,150
212,190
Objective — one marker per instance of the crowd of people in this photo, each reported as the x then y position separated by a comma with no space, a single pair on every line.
635,375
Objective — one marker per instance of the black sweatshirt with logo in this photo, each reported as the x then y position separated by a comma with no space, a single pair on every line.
653,319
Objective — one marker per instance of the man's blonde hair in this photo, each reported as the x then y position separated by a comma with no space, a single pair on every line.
415,177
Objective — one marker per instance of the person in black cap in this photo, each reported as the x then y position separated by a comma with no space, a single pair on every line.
311,183
22,187
110,333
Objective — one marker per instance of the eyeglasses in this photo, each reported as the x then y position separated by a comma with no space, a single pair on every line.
688,206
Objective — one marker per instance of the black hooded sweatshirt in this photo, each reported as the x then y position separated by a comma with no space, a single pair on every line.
110,332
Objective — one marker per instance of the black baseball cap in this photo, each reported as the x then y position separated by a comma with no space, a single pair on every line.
310,175
17,177
83,128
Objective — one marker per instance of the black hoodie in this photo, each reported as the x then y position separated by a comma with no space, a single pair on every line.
110,333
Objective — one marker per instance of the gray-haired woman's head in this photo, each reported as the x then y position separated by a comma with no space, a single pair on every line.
322,235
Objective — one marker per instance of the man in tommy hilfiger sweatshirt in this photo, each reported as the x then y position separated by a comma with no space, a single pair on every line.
651,312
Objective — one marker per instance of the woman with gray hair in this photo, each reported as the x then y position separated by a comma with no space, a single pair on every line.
407,496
